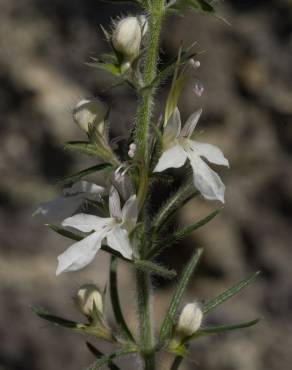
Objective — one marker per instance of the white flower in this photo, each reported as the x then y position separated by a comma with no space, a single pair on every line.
88,296
115,229
190,320
178,147
57,209
127,37
88,112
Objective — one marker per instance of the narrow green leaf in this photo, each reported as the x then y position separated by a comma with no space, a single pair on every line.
44,314
174,202
229,293
105,360
181,234
114,293
169,321
176,363
64,232
83,147
189,229
79,175
108,67
98,354
219,329
154,268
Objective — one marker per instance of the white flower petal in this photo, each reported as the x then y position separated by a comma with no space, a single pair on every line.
130,210
211,152
83,187
172,128
174,157
79,254
115,203
56,210
206,180
87,223
191,124
117,239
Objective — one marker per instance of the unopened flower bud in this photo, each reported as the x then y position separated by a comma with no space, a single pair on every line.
190,320
88,112
194,63
87,297
127,37
132,150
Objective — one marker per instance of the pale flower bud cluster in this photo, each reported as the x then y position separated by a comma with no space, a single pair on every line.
88,112
190,320
194,63
87,297
127,36
132,150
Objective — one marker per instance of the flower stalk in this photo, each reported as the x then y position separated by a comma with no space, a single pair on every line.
144,115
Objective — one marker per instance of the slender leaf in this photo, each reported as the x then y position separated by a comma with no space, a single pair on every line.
79,175
181,234
114,293
154,268
64,232
44,314
105,360
82,147
169,321
108,67
229,293
219,329
176,363
177,200
98,354
209,331
189,229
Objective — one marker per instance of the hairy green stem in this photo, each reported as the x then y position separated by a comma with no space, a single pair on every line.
144,115
144,112
144,308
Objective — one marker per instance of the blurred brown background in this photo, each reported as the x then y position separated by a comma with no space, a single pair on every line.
247,73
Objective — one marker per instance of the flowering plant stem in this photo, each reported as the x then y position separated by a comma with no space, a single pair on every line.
124,225
144,114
